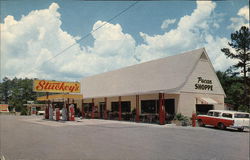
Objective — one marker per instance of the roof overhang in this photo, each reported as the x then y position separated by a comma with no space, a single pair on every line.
60,97
207,100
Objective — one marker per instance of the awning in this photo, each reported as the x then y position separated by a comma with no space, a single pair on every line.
60,96
207,100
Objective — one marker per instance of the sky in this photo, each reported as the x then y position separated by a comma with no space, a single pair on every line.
36,35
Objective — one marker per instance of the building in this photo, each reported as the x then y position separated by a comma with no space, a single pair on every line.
185,83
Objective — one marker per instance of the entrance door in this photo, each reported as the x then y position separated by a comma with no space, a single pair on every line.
203,108
170,108
102,108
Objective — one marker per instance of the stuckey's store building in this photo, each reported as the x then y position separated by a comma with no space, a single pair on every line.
185,83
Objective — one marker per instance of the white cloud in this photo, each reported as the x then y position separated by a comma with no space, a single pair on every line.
193,31
244,12
36,37
241,20
166,23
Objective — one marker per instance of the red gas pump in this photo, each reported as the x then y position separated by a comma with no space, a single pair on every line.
57,114
71,113
193,120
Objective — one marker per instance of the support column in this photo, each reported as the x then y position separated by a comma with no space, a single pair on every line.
93,108
105,109
67,106
161,110
47,108
53,105
164,110
83,113
120,108
137,118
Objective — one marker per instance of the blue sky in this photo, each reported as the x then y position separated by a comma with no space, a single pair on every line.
34,31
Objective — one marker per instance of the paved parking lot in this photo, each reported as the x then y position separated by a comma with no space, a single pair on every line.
31,138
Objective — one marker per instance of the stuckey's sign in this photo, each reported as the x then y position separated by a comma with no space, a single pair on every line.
56,86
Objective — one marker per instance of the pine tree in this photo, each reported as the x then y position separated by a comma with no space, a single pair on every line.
240,42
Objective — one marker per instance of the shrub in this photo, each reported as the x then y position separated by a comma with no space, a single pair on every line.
24,112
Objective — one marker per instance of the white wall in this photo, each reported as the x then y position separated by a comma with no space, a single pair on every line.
187,102
204,70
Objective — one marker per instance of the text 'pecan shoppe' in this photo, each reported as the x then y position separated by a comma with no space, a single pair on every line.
204,84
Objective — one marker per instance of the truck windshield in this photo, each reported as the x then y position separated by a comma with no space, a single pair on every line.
238,115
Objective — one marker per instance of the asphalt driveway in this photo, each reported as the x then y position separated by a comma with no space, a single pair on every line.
31,138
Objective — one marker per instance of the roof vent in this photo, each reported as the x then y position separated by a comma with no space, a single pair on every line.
203,56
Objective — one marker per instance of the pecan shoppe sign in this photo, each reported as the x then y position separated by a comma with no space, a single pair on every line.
56,86
204,84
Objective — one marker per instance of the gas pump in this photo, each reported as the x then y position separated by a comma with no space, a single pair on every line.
71,112
64,113
51,112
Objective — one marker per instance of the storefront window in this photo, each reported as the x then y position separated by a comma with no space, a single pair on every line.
87,107
149,106
125,105
114,106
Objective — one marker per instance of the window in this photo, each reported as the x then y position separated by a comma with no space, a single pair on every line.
125,105
149,106
228,115
87,107
203,108
114,106
216,114
239,115
210,113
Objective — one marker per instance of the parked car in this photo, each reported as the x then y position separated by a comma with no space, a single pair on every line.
40,112
223,119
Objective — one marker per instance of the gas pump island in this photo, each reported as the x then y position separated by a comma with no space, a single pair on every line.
65,91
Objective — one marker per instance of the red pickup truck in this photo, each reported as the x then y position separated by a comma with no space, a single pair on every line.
223,119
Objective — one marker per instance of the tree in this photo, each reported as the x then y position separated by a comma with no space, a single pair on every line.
16,92
240,43
233,88
5,90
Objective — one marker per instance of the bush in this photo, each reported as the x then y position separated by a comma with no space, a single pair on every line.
24,112
180,117
243,108
183,119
